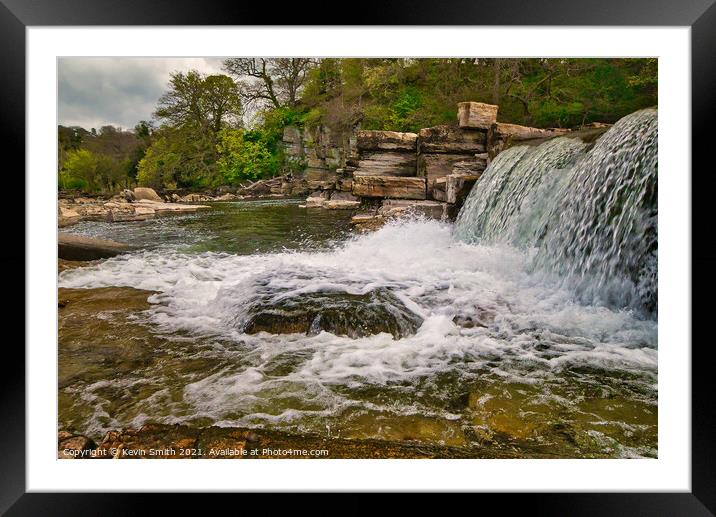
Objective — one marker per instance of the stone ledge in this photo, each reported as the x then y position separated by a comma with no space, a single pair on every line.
389,187
386,141
450,139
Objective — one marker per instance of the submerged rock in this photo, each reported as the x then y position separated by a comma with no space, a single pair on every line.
340,313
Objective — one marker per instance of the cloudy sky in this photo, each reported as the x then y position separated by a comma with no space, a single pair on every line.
118,91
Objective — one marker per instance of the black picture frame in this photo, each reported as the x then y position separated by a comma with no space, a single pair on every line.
699,15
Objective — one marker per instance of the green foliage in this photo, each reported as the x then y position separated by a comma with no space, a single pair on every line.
159,164
247,155
109,160
67,182
182,157
409,94
86,170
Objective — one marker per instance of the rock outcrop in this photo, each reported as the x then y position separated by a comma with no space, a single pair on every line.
444,150
450,139
76,247
439,163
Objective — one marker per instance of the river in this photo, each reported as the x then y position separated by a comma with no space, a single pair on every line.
481,352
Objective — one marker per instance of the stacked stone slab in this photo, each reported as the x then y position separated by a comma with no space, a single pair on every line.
387,166
389,173
445,150
386,153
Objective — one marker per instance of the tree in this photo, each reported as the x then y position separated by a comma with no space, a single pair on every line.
270,82
194,111
205,103
246,155
179,157
84,169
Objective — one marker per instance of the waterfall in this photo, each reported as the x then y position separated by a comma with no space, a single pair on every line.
589,214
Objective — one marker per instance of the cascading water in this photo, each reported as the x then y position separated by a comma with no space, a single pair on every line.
590,214
420,331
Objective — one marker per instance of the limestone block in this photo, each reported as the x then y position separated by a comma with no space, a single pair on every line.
474,166
517,132
386,163
476,115
434,166
450,139
389,186
458,186
386,141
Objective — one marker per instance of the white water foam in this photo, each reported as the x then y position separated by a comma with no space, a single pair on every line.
531,328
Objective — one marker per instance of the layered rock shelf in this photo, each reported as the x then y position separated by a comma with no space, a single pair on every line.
389,187
438,164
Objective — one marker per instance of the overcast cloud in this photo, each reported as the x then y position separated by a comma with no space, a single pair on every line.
118,91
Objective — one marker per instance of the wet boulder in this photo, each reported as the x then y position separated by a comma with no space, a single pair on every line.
340,313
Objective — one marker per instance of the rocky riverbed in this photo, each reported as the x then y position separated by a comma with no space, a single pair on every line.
161,441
